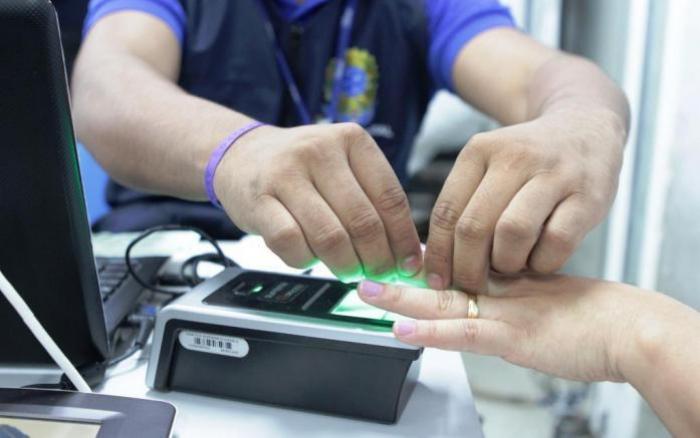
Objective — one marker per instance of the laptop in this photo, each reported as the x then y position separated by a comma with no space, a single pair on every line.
45,246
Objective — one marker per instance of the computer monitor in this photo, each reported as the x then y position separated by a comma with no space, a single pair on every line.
45,247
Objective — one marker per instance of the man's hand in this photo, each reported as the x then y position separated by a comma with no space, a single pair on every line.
321,192
523,197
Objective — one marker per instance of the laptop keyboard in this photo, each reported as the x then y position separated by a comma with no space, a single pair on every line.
112,273
120,292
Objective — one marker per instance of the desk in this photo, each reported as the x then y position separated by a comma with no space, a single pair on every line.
440,406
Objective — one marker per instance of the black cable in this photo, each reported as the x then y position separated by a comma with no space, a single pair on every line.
63,385
188,270
225,261
146,324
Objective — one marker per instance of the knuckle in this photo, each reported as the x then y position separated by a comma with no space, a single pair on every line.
480,142
396,295
283,239
431,331
469,153
393,201
354,137
351,131
515,228
470,331
509,262
470,229
329,239
445,300
365,226
521,157
285,243
445,215
573,176
518,152
561,240
599,198
312,149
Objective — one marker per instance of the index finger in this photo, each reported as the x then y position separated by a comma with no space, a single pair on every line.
458,189
378,180
423,303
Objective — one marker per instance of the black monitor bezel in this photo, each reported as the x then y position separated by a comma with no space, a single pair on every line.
45,246
116,416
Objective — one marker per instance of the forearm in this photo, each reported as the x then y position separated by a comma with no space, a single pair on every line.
142,128
577,88
663,362
515,79
147,132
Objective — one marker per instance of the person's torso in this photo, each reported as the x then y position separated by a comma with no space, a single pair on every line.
228,58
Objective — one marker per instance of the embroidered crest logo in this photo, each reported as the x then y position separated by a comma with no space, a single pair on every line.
358,88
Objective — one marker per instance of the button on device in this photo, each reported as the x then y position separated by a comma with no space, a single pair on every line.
244,288
272,293
290,294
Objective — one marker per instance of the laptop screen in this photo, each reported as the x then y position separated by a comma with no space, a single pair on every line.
45,249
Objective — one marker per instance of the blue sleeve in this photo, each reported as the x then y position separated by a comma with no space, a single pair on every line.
452,24
169,11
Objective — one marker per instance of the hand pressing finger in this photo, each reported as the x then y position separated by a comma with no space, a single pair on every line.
561,235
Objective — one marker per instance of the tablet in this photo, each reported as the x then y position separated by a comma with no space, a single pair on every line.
39,413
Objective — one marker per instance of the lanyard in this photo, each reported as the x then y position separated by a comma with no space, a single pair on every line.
342,44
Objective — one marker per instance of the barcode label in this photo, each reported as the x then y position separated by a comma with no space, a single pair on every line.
212,343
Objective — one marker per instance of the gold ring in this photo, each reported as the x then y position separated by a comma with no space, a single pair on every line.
472,307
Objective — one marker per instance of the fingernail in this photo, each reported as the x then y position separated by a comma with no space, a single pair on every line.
410,266
435,282
405,328
371,289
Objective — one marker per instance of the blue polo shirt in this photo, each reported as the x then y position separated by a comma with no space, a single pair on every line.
399,53
452,23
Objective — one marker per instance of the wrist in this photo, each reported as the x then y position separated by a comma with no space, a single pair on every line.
220,157
650,340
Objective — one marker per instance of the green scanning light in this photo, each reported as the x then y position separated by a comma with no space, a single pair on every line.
351,305
257,288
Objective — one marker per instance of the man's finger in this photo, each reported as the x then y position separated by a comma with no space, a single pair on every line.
378,180
521,223
323,231
459,187
561,235
475,228
282,233
480,336
342,192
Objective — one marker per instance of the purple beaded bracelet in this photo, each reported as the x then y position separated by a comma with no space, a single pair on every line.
218,154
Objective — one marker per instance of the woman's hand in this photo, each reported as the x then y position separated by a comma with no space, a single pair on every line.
570,327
